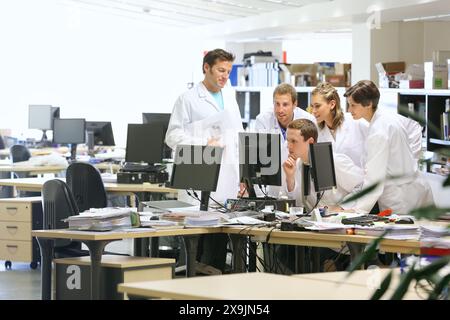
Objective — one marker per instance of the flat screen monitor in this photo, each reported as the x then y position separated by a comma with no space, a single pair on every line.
322,166
41,116
71,131
259,159
145,143
159,118
99,133
197,168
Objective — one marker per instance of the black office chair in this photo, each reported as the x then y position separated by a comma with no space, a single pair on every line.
86,184
19,153
59,204
2,143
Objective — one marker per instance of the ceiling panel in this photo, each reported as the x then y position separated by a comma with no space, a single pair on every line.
186,13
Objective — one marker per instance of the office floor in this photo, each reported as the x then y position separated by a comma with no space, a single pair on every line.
23,283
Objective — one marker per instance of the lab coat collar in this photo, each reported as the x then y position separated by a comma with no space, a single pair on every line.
203,93
375,117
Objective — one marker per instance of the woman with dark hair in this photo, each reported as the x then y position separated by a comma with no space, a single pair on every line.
389,160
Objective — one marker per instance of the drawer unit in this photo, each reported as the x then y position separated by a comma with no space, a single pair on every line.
11,250
18,216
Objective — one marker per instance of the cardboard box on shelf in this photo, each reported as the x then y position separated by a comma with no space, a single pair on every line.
436,76
412,84
394,67
336,80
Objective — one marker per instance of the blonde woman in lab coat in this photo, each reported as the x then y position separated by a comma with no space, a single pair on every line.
388,154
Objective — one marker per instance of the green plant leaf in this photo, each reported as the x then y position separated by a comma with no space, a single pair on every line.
440,286
404,284
360,193
383,287
446,182
443,151
429,212
432,268
366,256
404,111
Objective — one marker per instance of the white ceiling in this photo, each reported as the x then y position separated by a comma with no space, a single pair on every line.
190,13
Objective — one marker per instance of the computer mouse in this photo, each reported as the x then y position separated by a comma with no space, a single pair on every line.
405,220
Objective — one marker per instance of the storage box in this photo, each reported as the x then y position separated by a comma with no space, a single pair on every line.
412,84
73,277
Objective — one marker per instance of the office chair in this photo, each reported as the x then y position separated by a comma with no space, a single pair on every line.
86,184
19,153
58,204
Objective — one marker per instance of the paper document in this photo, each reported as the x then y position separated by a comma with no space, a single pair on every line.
248,221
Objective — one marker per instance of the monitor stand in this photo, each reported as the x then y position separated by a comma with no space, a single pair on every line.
44,143
204,200
73,151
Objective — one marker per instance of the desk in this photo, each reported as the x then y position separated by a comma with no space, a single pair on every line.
35,184
250,286
96,242
32,169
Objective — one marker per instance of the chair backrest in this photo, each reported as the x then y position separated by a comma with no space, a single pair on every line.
2,143
86,184
19,153
58,204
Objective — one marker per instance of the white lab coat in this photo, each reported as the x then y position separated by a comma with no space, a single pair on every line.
267,122
348,177
389,155
196,117
350,138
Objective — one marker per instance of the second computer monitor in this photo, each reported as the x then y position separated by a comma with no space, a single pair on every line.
163,119
259,159
70,131
322,166
101,132
145,143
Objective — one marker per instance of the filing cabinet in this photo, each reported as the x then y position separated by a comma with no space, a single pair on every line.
18,216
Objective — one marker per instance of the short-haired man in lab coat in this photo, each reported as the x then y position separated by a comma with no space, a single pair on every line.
284,111
208,114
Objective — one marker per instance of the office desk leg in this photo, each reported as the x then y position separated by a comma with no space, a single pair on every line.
154,247
252,256
191,247
356,250
238,245
96,250
315,259
141,247
47,251
300,259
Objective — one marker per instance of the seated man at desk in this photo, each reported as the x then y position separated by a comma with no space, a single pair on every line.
300,134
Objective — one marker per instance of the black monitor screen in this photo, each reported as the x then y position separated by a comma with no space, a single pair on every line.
322,165
196,167
159,118
145,143
69,131
41,116
255,102
102,133
260,158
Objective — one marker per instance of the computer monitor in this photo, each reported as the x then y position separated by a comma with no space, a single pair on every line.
159,118
99,133
145,143
322,166
259,160
41,117
197,168
69,131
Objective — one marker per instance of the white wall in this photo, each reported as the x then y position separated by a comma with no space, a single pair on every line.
436,37
92,65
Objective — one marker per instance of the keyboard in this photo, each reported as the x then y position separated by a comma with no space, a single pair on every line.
137,167
362,220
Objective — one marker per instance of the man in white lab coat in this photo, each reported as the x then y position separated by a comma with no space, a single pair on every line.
284,111
208,114
388,155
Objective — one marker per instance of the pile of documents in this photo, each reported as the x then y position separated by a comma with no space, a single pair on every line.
394,231
434,232
202,221
103,219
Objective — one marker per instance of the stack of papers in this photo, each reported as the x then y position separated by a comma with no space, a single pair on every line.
434,232
202,221
160,224
395,231
327,227
104,219
247,221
